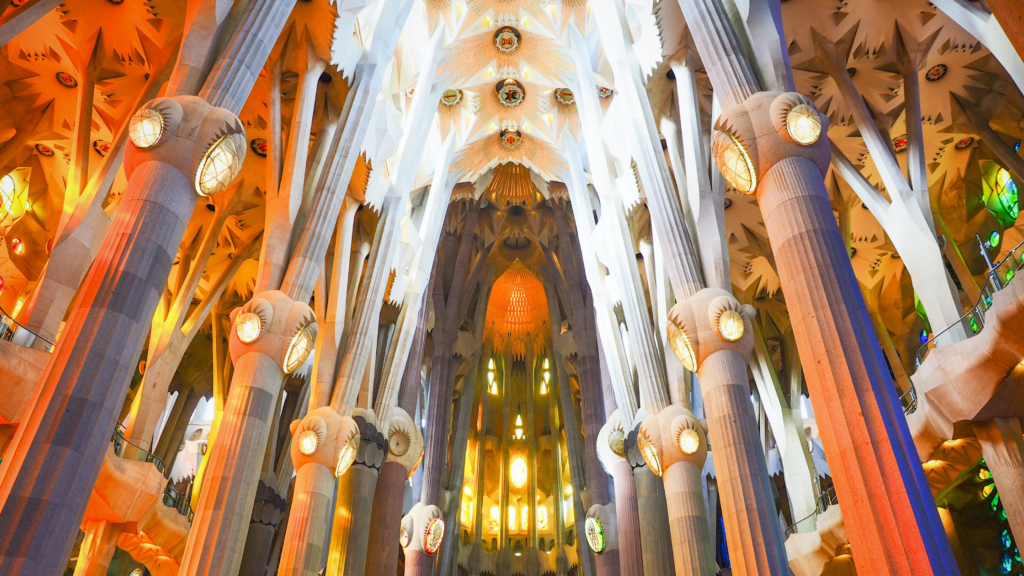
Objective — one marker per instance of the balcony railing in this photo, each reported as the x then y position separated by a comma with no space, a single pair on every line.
825,499
1000,274
13,331
180,501
129,451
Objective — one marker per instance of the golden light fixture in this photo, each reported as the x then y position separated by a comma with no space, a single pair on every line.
146,128
308,442
347,456
595,535
219,166
298,349
17,246
649,453
248,327
433,536
730,326
689,441
803,124
734,162
681,346
517,472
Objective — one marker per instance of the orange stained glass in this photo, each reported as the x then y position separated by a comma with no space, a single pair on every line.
517,312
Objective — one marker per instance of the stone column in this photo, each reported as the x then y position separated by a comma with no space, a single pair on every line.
327,453
1010,15
1002,446
655,538
356,499
404,451
285,336
611,448
89,372
899,532
675,442
97,548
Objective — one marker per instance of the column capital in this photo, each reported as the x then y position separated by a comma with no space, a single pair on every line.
274,325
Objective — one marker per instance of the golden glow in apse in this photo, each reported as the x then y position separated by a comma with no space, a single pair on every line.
517,472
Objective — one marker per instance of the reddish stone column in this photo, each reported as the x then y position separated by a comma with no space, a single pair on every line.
50,471
888,508
382,554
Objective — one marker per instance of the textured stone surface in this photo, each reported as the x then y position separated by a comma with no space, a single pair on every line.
217,538
880,483
58,449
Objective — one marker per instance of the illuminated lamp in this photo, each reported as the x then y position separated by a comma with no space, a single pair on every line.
689,441
248,327
433,536
595,535
803,124
681,346
308,442
734,162
298,349
146,128
730,326
219,167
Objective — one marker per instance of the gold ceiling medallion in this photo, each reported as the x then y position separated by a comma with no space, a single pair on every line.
510,92
451,97
565,96
507,39
511,139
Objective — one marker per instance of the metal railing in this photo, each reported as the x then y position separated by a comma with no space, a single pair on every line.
825,499
14,331
129,451
909,401
180,501
999,275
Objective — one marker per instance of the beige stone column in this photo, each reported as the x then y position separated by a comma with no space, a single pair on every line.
1002,446
66,435
697,337
284,335
97,548
324,447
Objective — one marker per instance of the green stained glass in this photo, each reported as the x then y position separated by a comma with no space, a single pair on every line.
1006,190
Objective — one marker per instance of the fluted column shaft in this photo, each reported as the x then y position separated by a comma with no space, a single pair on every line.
752,530
307,521
245,54
49,472
687,517
382,552
283,199
1002,447
97,548
329,192
627,517
720,51
655,538
217,538
355,496
888,508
